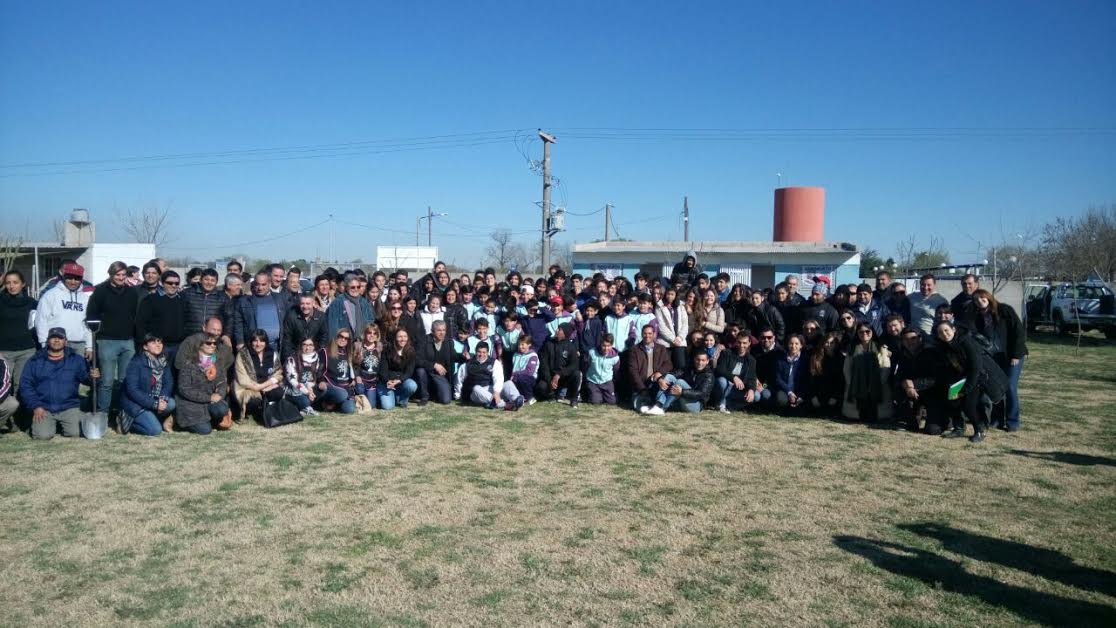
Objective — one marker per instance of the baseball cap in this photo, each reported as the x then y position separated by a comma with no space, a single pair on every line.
821,288
74,269
56,332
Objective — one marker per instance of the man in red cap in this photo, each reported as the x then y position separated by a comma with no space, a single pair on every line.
64,306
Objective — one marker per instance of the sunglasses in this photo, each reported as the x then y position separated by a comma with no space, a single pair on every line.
209,342
769,337
344,337
171,283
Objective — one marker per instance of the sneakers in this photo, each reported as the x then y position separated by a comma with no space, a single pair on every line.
422,402
305,412
643,409
573,403
124,423
226,421
656,410
977,437
310,411
956,432
722,409
532,401
491,405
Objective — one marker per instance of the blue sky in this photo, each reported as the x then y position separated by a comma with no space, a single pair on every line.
96,81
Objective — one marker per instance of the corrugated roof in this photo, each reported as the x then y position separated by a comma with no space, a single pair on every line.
713,246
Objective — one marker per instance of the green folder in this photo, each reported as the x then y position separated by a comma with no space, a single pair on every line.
955,389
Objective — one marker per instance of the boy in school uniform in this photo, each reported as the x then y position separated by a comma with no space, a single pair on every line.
599,377
524,372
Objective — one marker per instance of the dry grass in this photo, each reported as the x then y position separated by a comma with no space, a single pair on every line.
449,516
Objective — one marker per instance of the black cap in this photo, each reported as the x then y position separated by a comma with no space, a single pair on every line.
56,332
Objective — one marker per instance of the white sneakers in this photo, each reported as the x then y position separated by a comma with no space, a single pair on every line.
655,411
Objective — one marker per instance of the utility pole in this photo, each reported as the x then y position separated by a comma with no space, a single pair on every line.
608,218
685,219
331,238
429,226
547,141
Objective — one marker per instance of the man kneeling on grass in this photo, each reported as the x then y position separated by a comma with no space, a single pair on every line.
482,379
49,386
687,390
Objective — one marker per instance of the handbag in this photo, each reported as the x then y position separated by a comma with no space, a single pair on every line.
282,412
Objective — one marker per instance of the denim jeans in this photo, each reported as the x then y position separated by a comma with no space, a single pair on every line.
402,393
300,400
726,394
1011,400
339,397
112,358
431,384
665,399
147,423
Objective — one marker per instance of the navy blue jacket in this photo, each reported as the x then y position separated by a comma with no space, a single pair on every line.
53,384
136,395
800,385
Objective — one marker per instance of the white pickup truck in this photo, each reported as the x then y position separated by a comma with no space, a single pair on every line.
1065,306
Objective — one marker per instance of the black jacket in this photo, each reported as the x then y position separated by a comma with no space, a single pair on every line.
394,366
15,312
701,384
1005,333
766,315
200,305
456,318
429,355
823,312
163,316
296,329
115,308
980,371
766,361
726,364
230,315
558,357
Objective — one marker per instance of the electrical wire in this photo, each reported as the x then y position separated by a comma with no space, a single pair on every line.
248,243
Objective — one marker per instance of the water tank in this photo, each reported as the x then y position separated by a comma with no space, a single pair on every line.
79,216
799,214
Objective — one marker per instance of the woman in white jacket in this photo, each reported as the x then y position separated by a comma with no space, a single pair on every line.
674,326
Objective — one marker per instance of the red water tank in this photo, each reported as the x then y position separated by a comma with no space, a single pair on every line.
799,214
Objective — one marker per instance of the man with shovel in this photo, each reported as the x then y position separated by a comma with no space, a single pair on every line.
49,386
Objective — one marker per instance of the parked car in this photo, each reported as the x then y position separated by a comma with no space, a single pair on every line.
1066,306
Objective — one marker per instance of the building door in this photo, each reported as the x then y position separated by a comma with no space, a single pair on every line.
763,276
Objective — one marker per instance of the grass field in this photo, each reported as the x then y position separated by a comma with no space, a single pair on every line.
448,516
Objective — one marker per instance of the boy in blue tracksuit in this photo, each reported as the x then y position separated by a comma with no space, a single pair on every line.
621,325
507,339
645,314
566,314
599,377
524,372
589,330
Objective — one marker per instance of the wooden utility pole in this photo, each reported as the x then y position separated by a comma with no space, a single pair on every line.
686,218
429,226
545,244
608,219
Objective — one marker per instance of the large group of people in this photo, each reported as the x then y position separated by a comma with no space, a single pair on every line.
195,353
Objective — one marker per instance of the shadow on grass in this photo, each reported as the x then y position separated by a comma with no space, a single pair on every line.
950,575
1038,561
1067,457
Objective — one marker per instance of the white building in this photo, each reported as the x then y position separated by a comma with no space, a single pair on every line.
40,261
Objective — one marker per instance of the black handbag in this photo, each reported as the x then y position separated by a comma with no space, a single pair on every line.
282,412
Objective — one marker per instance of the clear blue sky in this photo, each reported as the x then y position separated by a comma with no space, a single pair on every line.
95,81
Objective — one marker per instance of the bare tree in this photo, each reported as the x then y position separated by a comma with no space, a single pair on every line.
498,252
10,246
911,256
150,225
1076,246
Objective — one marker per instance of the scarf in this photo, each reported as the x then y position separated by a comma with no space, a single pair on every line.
207,361
158,365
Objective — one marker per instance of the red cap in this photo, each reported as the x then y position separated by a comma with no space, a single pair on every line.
73,269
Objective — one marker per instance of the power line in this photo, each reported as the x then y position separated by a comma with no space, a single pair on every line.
248,243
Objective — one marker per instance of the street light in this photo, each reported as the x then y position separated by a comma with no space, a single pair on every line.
429,217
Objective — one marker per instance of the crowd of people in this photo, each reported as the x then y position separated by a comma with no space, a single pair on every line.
198,353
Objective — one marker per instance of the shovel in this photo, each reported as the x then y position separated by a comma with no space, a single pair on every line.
95,424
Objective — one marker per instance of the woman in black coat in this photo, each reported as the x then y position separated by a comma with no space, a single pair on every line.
1000,326
985,383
